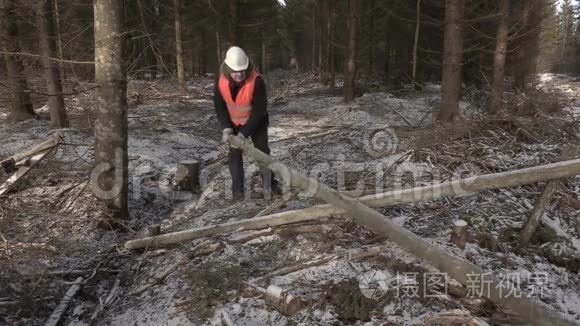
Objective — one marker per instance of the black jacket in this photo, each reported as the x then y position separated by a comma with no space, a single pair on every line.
258,117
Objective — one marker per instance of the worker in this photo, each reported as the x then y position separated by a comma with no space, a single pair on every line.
240,103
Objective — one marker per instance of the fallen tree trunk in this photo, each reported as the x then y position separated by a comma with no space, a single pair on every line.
23,171
454,267
391,198
50,143
255,223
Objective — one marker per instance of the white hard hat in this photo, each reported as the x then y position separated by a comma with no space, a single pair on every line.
237,59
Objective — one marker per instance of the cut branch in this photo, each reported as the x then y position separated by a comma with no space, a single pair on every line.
59,311
551,187
50,143
108,301
365,253
23,171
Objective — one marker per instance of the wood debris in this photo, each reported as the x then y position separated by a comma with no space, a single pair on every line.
57,314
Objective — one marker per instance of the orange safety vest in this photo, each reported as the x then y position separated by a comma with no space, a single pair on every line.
240,109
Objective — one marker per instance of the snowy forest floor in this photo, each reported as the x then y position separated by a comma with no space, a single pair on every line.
52,230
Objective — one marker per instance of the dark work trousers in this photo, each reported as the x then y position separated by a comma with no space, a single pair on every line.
260,140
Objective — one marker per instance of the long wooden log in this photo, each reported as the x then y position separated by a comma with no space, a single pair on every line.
454,267
391,198
261,222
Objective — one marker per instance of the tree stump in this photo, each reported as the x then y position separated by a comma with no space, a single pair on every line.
187,176
459,235
8,166
282,300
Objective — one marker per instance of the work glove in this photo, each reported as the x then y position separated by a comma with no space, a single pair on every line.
242,138
225,133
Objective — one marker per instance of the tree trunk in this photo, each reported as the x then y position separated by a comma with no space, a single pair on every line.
159,64
189,56
327,62
233,22
533,41
416,41
331,48
499,58
218,49
371,32
201,50
321,40
520,69
313,41
387,62
264,55
47,44
350,68
179,47
59,41
452,57
109,178
20,104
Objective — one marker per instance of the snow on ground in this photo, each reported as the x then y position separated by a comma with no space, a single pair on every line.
365,144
